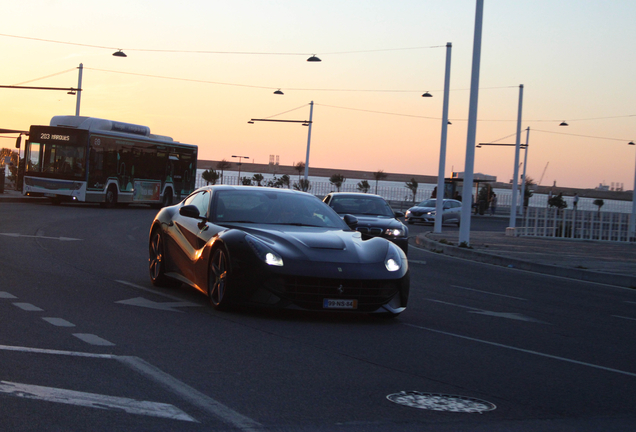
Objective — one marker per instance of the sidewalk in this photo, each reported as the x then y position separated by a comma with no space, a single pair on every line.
603,262
12,195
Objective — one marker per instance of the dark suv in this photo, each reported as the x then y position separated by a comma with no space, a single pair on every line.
374,214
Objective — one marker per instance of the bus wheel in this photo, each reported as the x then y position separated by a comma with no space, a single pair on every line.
111,197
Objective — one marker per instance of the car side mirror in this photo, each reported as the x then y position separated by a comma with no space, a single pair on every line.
350,220
399,214
190,211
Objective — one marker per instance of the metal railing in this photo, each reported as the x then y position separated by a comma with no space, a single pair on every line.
575,224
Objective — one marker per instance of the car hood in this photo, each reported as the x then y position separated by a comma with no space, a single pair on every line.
320,244
421,209
377,221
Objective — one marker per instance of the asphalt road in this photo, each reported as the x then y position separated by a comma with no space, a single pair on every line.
86,343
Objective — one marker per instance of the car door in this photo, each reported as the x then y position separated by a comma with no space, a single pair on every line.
188,234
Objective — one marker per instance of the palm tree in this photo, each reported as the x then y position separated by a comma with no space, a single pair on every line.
337,180
364,186
412,186
302,185
210,176
599,203
300,167
221,166
379,175
258,178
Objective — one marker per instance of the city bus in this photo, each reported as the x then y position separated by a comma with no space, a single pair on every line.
93,160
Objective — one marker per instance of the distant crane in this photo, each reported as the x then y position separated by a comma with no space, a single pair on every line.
544,169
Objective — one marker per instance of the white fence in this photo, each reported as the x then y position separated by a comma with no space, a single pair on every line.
575,224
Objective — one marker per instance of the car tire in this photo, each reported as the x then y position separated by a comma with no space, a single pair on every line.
218,278
157,261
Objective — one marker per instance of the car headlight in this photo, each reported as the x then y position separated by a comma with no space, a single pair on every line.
394,232
393,261
431,213
408,213
264,252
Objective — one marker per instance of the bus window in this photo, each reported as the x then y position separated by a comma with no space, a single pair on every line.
33,164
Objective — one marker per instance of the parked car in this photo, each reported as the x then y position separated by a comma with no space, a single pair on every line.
425,212
278,248
375,216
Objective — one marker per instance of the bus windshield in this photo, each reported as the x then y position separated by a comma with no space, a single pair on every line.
57,155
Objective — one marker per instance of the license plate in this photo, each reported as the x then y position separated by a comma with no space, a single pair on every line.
339,304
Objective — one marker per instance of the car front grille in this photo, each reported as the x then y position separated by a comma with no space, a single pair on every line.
370,231
309,292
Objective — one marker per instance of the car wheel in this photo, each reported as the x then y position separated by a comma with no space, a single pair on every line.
218,279
156,260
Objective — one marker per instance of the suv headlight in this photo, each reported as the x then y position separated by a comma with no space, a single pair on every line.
264,252
394,232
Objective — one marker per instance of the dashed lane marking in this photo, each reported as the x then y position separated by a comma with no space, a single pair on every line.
4,294
28,307
58,322
93,339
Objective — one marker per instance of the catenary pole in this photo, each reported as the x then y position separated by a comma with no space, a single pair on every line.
523,181
311,119
464,229
79,90
515,177
439,204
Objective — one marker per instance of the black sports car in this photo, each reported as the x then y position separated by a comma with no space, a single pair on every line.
375,216
275,247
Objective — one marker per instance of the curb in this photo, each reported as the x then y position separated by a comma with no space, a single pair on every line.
624,281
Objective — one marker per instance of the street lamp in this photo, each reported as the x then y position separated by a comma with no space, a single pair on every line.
239,166
304,123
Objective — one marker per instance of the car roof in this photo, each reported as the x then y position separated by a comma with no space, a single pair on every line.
355,194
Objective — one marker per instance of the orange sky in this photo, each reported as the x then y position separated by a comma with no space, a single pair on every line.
575,59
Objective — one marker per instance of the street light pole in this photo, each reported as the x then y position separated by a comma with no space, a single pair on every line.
469,166
515,179
632,219
311,115
238,182
523,181
439,203
79,90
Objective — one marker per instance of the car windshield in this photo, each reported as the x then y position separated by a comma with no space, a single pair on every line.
269,206
428,203
361,206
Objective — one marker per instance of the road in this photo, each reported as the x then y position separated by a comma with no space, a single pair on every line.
86,343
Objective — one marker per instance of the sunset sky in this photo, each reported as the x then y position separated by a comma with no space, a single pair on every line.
199,70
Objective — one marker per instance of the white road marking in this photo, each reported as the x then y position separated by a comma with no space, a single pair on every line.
59,322
627,318
487,292
41,237
179,388
416,262
28,307
508,315
537,353
192,395
4,294
167,306
93,400
92,339
153,291
55,352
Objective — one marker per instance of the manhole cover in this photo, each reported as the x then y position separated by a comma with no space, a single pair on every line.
441,402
